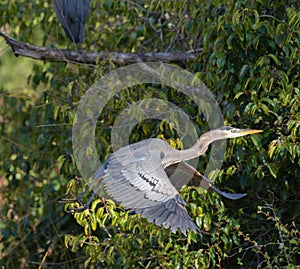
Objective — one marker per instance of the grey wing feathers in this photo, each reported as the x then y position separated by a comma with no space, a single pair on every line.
133,188
170,214
144,187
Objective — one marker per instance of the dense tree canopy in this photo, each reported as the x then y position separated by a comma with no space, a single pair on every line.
247,53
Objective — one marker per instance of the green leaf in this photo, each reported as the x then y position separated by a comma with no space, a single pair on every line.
273,168
275,59
243,71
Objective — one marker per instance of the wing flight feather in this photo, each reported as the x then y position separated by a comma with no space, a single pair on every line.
144,187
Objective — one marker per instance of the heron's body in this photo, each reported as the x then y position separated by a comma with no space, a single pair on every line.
140,182
140,176
72,14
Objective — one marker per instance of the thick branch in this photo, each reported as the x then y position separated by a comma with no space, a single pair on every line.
64,55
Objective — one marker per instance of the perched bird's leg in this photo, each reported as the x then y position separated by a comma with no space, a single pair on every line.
79,48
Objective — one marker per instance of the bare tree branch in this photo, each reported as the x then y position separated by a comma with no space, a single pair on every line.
64,55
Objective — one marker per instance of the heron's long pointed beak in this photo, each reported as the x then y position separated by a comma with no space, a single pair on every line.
249,131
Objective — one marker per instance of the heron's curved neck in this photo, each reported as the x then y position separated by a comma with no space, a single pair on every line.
196,150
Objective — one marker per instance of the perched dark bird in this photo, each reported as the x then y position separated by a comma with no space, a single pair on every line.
72,14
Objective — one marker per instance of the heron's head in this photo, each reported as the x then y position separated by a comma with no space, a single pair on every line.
225,132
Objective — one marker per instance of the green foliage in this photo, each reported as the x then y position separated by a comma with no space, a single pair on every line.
250,60
112,233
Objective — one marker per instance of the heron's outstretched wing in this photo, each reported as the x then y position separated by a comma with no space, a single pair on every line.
182,173
140,183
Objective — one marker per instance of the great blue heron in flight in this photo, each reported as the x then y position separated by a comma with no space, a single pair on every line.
140,175
72,14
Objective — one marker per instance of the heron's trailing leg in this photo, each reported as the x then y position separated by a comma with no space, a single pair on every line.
206,183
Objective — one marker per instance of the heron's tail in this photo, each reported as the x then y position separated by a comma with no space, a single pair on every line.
170,214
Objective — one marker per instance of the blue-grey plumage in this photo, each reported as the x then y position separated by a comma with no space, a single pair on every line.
146,176
72,14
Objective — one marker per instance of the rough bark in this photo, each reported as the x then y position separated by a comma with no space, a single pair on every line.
96,58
